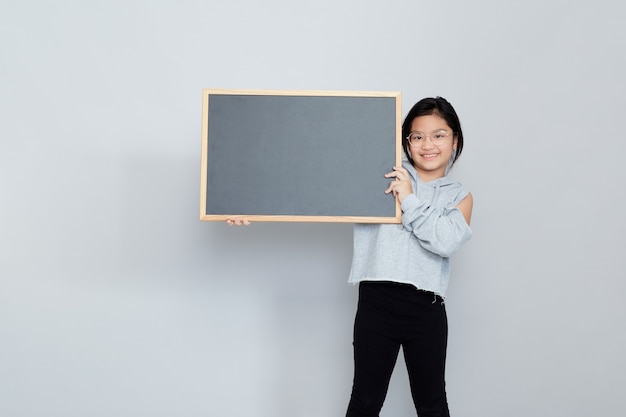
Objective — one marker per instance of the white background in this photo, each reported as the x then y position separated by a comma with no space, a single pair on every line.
116,301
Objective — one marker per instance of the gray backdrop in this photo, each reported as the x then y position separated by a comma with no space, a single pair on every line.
116,301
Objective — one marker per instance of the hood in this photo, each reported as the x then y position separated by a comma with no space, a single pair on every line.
427,190
439,182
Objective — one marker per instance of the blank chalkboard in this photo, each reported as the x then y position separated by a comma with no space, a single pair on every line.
314,156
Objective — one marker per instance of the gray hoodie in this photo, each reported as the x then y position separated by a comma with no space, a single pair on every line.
417,251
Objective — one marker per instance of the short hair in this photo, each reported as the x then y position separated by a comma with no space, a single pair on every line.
437,106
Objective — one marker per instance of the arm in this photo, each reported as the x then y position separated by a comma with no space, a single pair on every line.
466,207
439,230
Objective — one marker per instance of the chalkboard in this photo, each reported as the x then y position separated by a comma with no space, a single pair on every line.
308,156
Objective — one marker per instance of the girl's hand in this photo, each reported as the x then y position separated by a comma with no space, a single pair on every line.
401,187
238,221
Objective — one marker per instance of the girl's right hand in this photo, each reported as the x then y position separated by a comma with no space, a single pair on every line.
238,221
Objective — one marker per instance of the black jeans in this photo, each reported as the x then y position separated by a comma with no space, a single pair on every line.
390,315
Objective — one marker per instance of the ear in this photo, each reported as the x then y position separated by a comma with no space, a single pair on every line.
455,141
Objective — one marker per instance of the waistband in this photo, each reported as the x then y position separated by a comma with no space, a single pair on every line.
401,286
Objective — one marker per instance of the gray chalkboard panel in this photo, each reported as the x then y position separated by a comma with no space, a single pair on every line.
299,155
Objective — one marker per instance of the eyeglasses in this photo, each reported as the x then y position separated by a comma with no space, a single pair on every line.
438,137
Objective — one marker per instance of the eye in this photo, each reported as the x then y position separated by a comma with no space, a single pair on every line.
417,136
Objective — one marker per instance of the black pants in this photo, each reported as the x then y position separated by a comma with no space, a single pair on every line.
390,315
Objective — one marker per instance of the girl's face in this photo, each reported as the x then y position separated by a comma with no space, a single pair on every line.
432,152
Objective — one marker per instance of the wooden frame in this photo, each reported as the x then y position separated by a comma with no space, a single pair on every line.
211,118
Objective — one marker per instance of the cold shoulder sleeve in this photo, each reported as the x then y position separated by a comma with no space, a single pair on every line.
441,230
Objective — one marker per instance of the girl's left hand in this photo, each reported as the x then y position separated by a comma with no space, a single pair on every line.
402,186
238,221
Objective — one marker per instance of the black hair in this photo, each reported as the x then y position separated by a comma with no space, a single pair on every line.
437,106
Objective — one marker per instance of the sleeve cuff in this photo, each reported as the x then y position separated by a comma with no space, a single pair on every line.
410,202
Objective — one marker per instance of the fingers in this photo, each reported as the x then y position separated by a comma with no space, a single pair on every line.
238,221
402,186
399,173
393,187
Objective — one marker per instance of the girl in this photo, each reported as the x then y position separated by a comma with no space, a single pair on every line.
403,269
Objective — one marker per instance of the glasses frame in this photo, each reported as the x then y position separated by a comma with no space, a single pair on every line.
436,142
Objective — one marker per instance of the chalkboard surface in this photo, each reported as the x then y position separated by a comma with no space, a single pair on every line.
299,155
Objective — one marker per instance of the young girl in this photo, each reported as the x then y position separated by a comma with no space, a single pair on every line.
403,269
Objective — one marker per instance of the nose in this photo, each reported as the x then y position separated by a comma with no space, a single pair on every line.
430,142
